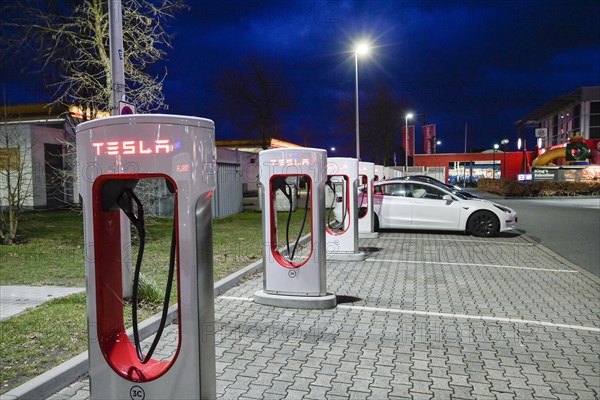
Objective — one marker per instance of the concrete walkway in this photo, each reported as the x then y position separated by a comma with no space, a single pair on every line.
15,300
425,316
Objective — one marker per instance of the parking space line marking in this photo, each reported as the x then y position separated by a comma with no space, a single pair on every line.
476,317
470,265
446,315
236,298
460,240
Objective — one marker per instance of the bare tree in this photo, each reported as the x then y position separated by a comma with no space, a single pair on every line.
255,95
68,42
380,121
15,177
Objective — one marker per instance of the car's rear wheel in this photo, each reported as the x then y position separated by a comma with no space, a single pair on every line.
483,224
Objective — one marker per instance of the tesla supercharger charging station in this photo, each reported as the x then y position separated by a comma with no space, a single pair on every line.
294,270
342,235
114,155
387,172
378,173
366,222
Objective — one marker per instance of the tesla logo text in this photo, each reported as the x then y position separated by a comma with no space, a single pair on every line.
290,162
132,147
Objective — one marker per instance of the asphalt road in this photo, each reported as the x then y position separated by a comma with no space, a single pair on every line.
569,227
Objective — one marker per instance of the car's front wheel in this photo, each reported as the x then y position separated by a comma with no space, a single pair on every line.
483,224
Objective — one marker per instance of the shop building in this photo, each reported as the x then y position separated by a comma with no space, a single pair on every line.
578,111
468,168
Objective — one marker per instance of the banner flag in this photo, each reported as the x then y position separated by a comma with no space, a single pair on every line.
411,140
428,138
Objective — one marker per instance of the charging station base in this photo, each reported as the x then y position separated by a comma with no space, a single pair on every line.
368,235
302,302
343,256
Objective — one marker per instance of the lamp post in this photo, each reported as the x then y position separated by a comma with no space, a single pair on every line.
437,143
522,145
361,48
406,118
494,162
504,142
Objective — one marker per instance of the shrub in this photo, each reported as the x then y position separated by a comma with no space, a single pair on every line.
510,188
148,291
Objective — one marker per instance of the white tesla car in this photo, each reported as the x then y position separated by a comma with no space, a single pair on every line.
413,204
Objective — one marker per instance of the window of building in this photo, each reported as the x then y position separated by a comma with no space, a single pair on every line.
554,132
594,120
576,118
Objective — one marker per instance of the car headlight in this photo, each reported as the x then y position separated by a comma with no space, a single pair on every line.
506,210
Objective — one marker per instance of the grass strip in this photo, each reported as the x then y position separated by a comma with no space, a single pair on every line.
53,254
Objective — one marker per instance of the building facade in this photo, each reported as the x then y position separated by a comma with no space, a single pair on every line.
578,111
32,158
468,168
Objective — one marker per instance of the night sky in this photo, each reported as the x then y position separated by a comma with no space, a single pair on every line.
485,63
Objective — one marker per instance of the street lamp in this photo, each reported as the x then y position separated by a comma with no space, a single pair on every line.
494,163
504,142
360,49
408,116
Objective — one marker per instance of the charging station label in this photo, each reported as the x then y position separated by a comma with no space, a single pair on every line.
137,393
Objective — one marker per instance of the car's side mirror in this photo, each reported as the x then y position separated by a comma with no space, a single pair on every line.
448,198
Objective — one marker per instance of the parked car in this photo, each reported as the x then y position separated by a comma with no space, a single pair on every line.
453,188
413,204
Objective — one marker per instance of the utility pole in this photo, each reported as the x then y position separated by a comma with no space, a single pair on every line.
466,130
117,65
117,88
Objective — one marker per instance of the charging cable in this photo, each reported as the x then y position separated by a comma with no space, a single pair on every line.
287,191
344,211
136,215
308,188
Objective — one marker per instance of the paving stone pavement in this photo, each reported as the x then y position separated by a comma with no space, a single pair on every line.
15,300
425,316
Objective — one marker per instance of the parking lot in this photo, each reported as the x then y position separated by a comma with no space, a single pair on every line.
426,315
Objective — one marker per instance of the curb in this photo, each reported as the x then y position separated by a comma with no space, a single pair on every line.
61,376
